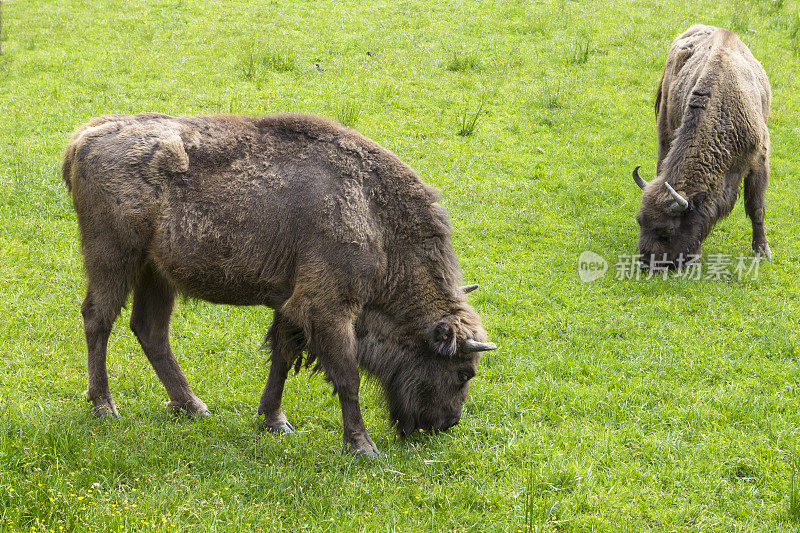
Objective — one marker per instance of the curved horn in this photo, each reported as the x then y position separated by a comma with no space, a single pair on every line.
639,181
471,345
468,288
682,203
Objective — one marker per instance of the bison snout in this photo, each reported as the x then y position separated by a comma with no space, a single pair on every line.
651,261
450,422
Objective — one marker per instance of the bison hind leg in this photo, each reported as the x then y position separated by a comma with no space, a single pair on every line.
286,341
755,185
99,311
108,284
153,300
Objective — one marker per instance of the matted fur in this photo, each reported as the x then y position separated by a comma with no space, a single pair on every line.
294,212
712,105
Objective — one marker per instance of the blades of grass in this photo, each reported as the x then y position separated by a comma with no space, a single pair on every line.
348,113
470,120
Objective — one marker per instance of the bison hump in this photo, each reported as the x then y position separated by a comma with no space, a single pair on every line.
170,154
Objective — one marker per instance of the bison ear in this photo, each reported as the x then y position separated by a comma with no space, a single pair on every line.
697,200
444,339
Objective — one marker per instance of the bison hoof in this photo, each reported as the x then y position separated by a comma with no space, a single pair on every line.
193,408
365,449
372,453
280,428
105,411
277,423
762,250
103,407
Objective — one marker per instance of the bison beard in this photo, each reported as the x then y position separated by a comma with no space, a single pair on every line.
712,106
332,231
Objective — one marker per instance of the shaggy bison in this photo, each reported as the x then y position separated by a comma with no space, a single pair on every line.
332,231
712,105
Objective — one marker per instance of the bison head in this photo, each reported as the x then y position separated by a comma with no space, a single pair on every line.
670,227
425,373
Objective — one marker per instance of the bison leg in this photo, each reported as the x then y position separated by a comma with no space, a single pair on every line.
100,308
329,329
336,351
755,185
153,299
286,342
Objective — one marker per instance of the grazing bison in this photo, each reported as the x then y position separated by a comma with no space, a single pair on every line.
712,105
332,231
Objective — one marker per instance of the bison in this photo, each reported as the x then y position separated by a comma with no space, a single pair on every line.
332,231
712,105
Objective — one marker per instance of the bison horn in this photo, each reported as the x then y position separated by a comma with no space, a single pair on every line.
639,181
681,203
468,288
471,345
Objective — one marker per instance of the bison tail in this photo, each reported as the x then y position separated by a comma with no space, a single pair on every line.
67,164
659,94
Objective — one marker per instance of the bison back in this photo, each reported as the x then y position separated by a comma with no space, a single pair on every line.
234,209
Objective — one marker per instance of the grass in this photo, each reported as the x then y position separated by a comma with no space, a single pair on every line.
581,51
255,59
611,405
740,18
464,62
468,119
348,113
794,498
794,34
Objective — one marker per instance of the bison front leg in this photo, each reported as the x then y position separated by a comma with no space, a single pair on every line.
329,330
336,350
153,300
755,185
286,343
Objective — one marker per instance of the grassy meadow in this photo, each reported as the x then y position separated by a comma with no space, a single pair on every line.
621,404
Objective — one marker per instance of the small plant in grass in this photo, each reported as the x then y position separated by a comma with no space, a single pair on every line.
277,61
469,120
553,101
581,51
348,113
740,19
528,524
794,34
794,497
534,518
248,63
461,62
552,95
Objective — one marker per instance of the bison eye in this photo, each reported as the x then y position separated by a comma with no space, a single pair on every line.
443,331
664,233
465,375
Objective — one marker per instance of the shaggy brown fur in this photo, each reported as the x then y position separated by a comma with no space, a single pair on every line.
712,106
294,212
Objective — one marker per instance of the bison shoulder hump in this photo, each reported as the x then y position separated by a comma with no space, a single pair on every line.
171,154
133,141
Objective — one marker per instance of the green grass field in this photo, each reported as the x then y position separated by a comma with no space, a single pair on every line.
664,405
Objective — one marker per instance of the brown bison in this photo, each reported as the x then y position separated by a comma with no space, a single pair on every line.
712,105
332,231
